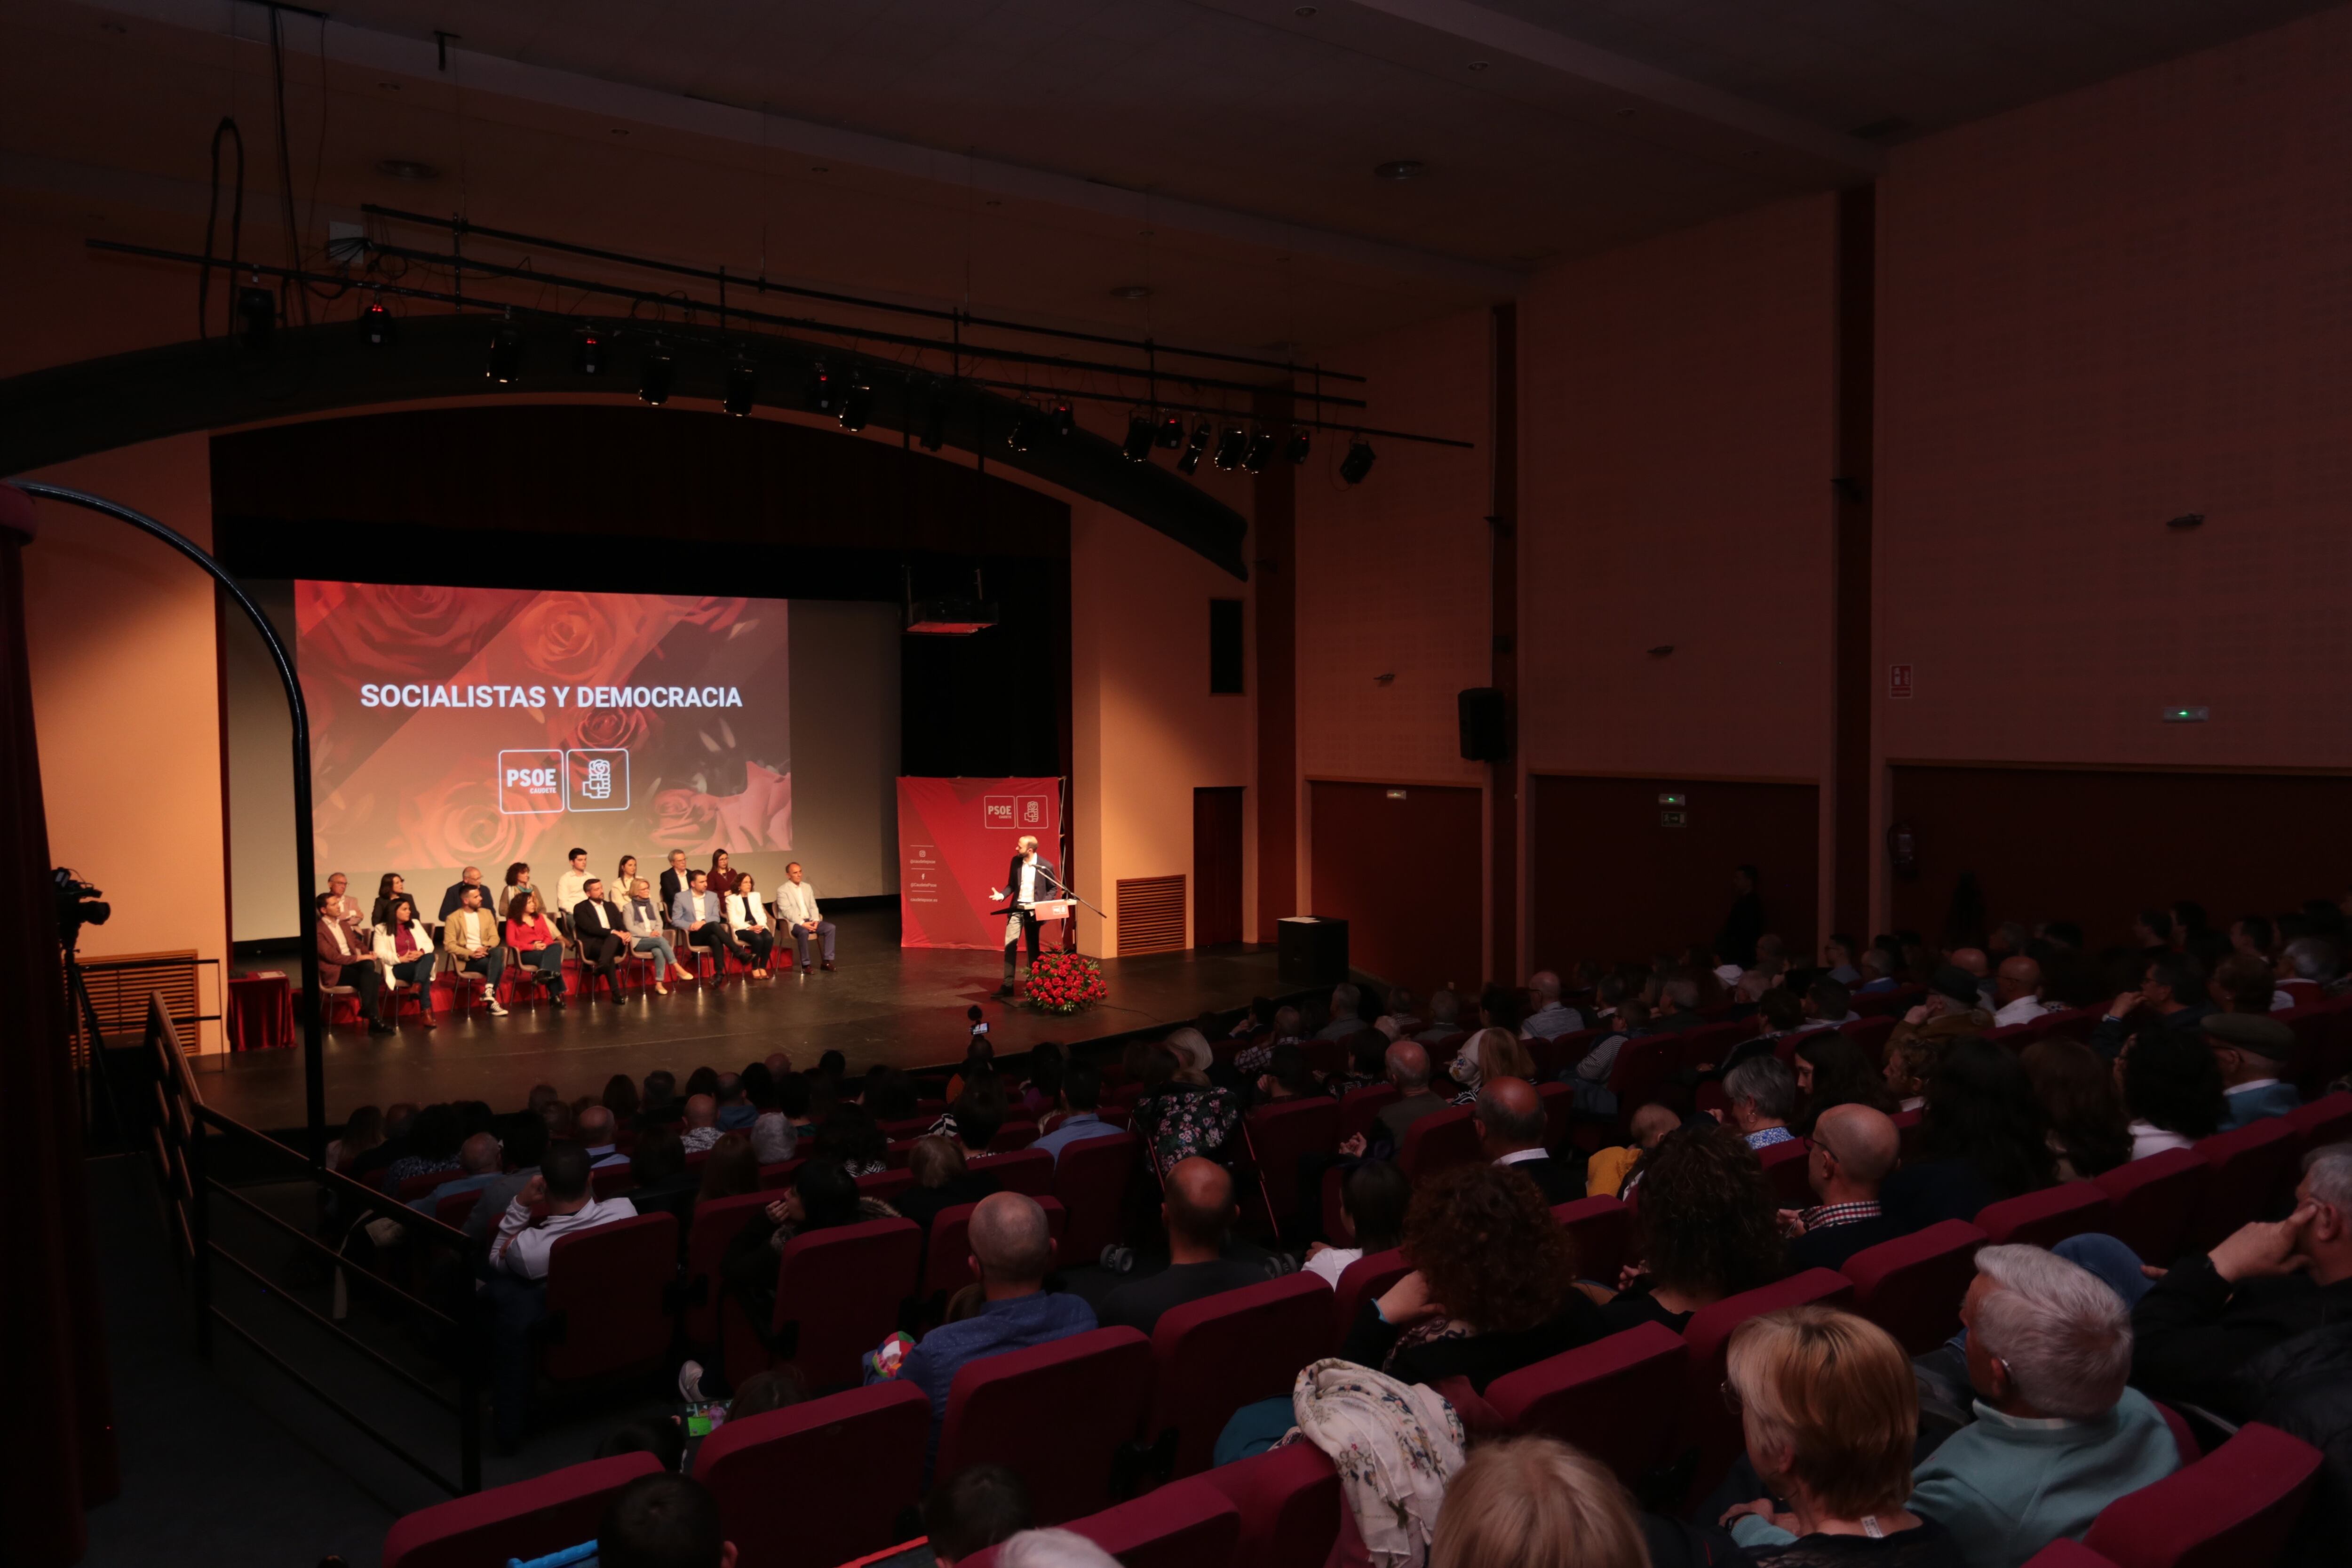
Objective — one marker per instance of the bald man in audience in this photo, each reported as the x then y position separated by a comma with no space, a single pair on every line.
1509,1121
1408,1065
1200,1212
1012,1253
480,1158
1551,1018
2017,993
1854,1149
594,1126
701,1123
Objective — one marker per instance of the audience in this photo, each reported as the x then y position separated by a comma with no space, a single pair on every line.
1373,1198
1612,1172
942,1180
1079,1103
2172,993
1831,1070
2172,1088
1509,1122
1763,1096
1199,1212
1981,1139
973,1510
1489,1053
665,1520
1706,1228
2250,1050
1535,1502
1345,1002
1550,1019
702,1129
1854,1148
1408,1069
2088,1130
515,1286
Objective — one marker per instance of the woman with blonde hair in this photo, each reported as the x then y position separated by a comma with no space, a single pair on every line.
1535,1502
1490,1053
1830,1414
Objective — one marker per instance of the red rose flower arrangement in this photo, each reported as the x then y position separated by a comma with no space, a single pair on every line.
1065,983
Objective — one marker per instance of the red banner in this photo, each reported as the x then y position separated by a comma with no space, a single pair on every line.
955,840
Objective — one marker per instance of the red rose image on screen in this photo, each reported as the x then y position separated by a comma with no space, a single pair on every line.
686,819
566,635
459,823
615,730
391,631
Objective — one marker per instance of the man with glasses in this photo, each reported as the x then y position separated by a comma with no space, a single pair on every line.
1854,1149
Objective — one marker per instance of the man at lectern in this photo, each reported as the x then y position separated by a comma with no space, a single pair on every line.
1027,882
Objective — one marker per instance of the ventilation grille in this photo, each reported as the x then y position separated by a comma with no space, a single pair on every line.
1151,914
118,986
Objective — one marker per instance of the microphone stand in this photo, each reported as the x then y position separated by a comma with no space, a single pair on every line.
1070,928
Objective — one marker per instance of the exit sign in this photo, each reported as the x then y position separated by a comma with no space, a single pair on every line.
1898,680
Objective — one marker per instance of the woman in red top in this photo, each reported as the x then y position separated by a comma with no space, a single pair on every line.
535,943
722,875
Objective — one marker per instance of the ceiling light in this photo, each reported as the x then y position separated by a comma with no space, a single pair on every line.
1132,291
1259,452
1198,443
1230,447
378,326
506,356
655,377
1480,65
1357,462
1066,421
1172,432
1401,169
743,386
1137,447
1301,443
857,407
1304,13
1026,428
588,351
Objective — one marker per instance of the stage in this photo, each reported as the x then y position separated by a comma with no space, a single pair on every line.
886,1003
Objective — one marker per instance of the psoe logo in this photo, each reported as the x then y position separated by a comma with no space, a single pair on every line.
599,779
997,811
530,782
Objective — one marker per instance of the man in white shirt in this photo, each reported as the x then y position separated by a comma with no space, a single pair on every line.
1029,878
2018,989
796,907
473,943
1550,1019
703,918
570,888
516,1278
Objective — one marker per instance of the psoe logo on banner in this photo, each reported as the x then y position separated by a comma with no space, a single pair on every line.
998,810
599,779
530,782
1030,811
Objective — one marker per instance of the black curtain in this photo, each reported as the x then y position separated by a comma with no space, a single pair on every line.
53,1378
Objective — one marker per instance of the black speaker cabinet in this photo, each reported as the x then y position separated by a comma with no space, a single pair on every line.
1484,738
1311,951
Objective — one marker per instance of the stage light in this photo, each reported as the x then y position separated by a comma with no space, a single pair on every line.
506,356
1138,446
935,421
1194,449
378,326
857,407
257,315
1301,443
1230,447
1172,432
743,386
1357,462
823,391
1026,427
1259,452
656,377
588,351
1066,421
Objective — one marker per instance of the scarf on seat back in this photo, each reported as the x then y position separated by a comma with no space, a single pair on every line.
1395,1444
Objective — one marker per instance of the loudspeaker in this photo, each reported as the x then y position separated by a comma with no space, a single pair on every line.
1485,738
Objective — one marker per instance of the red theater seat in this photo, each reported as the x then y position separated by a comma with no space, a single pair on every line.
1360,1108
1560,1111
2047,1218
606,1297
1090,1179
818,1483
1284,1133
526,1519
455,1209
1871,1034
1911,1286
884,1184
1289,1500
1213,1356
2154,1199
1057,1414
946,1251
1601,1231
1784,1172
716,1226
1438,1142
2324,1121
838,1294
2064,1553
1012,1136
1619,1399
612,1181
2231,1508
1186,1525
1028,1171
1365,1279
2249,1166
1706,1424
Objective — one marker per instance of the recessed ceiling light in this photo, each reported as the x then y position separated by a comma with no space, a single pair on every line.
406,169
1132,291
389,86
1625,113
1480,65
1401,169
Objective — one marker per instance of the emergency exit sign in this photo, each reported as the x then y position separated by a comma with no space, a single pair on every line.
1898,680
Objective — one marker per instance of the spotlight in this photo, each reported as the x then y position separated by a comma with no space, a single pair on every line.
742,385
1066,421
1230,447
656,377
1026,427
506,356
1172,432
1198,443
588,351
935,422
378,326
257,315
823,391
857,407
1259,452
1300,445
1138,446
1357,462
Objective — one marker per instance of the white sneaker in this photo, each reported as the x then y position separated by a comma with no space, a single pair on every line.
690,1382
497,1011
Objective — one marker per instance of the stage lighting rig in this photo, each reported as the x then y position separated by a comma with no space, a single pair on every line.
1259,452
378,326
743,386
1137,448
1357,462
588,351
656,377
856,406
1027,425
506,356
256,317
1172,432
1194,449
823,391
1301,443
1230,447
1065,420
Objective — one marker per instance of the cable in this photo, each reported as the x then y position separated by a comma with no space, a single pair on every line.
285,168
227,126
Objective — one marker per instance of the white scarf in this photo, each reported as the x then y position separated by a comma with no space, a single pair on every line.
1395,1444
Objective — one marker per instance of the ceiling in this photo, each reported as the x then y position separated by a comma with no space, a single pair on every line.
1033,155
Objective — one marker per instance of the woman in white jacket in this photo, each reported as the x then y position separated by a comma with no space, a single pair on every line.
749,924
404,951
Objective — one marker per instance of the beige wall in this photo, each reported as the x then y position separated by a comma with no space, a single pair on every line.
126,701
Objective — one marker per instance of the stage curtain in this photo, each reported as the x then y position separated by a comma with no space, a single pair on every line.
53,1379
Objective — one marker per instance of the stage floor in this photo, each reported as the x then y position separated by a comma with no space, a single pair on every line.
899,1006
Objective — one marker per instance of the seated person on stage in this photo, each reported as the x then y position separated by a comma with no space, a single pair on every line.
470,936
570,888
1011,1252
701,914
722,873
516,1276
392,887
796,910
1198,1210
748,923
596,927
1854,1148
404,951
535,943
649,932
517,880
341,886
1509,1121
673,877
455,895
345,959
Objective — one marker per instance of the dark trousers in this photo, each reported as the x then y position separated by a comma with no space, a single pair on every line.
758,943
418,972
711,935
1029,934
514,1306
601,956
490,965
367,983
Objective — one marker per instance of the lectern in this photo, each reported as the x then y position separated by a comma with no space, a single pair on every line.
1310,950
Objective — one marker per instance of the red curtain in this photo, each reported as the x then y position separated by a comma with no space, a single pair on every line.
52,1340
